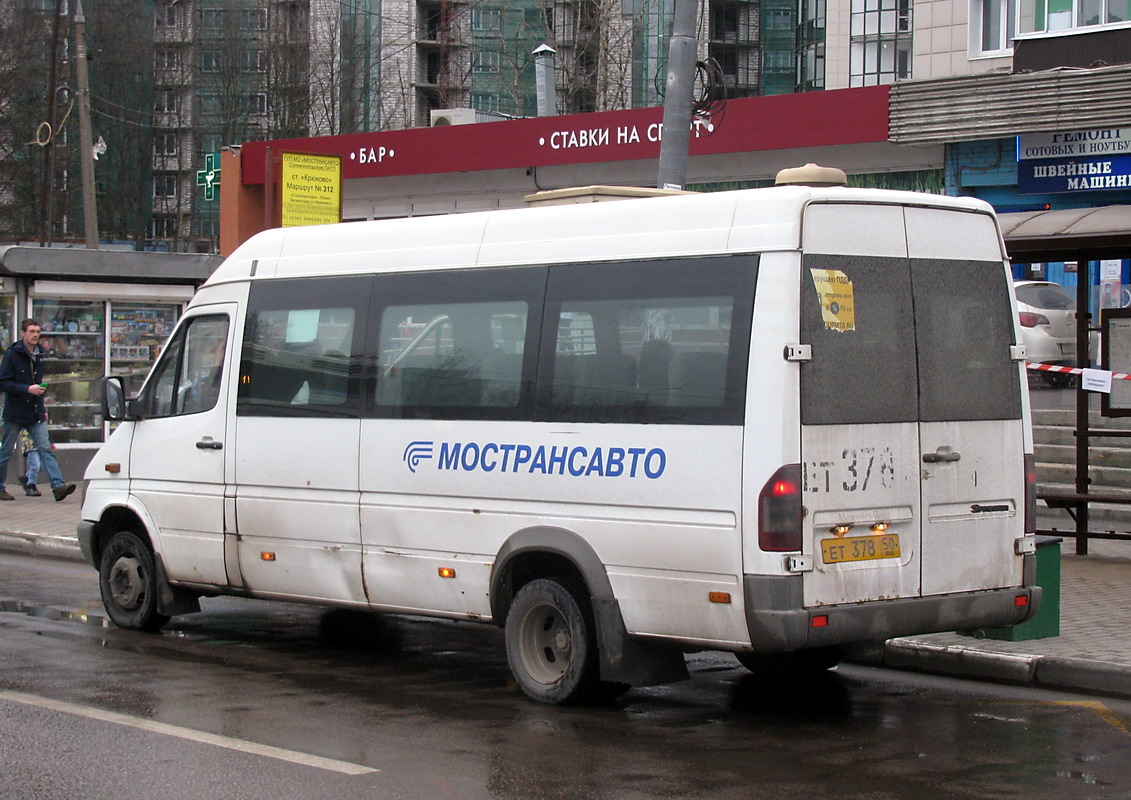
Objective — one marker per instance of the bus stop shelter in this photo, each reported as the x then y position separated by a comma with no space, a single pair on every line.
1081,235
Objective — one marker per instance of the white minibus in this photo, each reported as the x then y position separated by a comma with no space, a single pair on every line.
775,422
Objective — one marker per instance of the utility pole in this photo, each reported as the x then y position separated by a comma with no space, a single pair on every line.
677,97
86,140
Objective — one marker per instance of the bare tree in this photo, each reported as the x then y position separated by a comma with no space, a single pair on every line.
122,70
24,41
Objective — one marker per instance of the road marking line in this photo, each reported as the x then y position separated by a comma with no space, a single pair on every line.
241,745
1102,711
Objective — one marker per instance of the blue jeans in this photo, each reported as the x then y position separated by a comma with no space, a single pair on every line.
33,464
38,434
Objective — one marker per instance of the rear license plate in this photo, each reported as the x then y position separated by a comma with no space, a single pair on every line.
860,548
1068,351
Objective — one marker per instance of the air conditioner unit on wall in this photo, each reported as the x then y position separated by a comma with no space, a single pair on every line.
452,116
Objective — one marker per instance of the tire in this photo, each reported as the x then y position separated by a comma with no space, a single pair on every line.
552,645
127,581
798,662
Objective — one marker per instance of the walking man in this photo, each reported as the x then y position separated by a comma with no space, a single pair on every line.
21,381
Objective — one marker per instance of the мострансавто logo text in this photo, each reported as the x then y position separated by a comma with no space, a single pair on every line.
578,461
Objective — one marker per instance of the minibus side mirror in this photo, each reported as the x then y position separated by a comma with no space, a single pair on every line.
115,406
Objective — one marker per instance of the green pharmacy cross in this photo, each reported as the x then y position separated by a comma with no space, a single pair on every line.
209,177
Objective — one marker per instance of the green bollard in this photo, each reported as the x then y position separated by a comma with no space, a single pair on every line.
1045,624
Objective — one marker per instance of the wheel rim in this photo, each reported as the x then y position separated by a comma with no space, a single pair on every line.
127,584
545,643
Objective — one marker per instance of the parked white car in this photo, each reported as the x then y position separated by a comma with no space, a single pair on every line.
1048,326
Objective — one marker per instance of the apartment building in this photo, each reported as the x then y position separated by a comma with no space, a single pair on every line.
231,71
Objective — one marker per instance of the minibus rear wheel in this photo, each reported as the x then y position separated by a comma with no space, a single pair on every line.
552,643
127,581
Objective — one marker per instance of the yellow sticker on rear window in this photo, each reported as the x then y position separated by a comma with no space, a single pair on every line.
838,304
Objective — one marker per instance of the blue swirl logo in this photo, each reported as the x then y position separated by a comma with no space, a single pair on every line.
417,452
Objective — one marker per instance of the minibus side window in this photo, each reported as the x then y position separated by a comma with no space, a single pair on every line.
663,342
187,379
456,344
301,348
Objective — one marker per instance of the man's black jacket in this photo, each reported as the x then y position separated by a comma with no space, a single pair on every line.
19,370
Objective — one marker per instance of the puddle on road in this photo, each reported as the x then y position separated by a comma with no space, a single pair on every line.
83,616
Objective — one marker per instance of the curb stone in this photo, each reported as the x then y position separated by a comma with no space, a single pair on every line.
1083,675
37,544
1046,672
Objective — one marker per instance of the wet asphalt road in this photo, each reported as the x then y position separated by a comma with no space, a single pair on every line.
411,708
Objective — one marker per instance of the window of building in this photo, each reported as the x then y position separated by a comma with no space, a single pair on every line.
253,19
165,186
208,103
257,103
485,61
255,61
881,42
778,18
165,101
992,27
209,143
210,60
164,144
164,15
211,19
812,66
168,58
486,19
484,102
724,22
777,61
880,61
161,227
1052,16
208,227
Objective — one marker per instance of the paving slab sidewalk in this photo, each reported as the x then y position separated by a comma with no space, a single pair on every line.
1092,654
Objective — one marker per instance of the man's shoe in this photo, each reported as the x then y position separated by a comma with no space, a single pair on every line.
31,490
62,491
5,496
23,481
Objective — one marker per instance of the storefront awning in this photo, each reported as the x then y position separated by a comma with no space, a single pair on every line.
1073,234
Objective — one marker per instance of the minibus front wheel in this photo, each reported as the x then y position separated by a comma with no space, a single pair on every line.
127,581
552,643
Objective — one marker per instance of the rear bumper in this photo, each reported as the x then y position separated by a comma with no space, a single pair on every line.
778,622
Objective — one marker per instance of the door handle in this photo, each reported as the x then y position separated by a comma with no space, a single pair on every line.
208,444
940,456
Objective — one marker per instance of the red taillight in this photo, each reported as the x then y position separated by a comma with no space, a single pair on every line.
1021,600
1031,320
1030,493
779,510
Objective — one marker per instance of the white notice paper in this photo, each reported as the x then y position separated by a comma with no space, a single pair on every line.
1096,380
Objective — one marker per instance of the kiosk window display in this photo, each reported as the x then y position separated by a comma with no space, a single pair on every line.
86,339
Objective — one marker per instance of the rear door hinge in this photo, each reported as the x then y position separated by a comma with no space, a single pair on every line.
798,352
798,563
